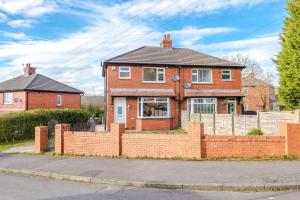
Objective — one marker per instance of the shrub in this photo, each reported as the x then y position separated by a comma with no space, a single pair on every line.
96,111
255,131
20,125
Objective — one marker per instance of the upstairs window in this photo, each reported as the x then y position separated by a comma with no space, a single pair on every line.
124,73
202,76
226,74
59,100
153,75
8,98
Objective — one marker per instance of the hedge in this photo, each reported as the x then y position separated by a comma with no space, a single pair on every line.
20,125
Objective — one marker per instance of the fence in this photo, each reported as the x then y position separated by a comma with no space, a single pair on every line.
227,124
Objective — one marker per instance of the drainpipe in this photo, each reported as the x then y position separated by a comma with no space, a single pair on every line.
105,96
180,101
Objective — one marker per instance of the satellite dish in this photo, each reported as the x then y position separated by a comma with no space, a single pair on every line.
175,78
187,85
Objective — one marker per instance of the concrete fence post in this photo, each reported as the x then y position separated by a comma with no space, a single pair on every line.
297,116
59,137
41,139
232,124
214,123
258,119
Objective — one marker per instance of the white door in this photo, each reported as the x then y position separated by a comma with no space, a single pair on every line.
120,110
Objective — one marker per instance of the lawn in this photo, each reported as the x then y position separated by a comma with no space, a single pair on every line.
8,145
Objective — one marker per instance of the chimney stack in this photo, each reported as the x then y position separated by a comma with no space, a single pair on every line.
166,42
28,70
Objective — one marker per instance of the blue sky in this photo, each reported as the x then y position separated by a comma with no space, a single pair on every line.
68,39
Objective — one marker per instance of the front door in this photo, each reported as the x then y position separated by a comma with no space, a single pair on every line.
231,106
120,110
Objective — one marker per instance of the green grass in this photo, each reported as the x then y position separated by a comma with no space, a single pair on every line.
8,145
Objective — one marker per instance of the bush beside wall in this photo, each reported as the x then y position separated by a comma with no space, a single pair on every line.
20,126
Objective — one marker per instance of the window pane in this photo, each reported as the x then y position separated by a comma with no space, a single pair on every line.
160,77
149,74
124,74
194,78
204,105
154,107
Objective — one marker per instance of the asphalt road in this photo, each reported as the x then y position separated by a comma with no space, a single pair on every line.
15,187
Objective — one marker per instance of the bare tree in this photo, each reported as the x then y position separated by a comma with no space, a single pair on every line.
255,76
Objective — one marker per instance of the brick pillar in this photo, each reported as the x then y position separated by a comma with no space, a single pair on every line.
41,139
59,137
117,130
292,137
195,134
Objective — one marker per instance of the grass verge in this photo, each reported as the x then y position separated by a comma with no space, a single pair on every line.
8,145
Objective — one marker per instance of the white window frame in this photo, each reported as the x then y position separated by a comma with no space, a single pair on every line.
5,98
122,68
230,74
141,100
60,101
191,106
202,69
156,81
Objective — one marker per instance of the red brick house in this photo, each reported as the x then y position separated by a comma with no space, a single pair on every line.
147,88
33,91
259,95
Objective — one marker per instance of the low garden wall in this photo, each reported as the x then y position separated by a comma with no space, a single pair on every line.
243,146
193,144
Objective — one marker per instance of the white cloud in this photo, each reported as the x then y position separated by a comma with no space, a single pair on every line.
189,35
20,23
3,17
17,36
185,7
27,7
75,58
262,48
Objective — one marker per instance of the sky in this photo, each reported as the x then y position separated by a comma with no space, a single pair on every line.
68,39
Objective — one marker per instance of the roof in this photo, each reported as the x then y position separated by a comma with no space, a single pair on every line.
122,92
213,93
251,80
36,82
171,56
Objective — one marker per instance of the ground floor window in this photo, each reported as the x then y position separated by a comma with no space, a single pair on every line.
203,105
150,107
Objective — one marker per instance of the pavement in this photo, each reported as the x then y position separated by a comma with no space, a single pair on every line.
16,187
167,174
21,149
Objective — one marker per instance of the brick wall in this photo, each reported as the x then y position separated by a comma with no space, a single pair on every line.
243,146
49,100
91,143
193,144
18,105
41,139
163,145
154,124
292,134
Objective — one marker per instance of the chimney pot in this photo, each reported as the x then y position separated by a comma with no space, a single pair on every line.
28,70
166,42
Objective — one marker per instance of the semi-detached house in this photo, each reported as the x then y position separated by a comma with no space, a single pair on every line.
149,87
